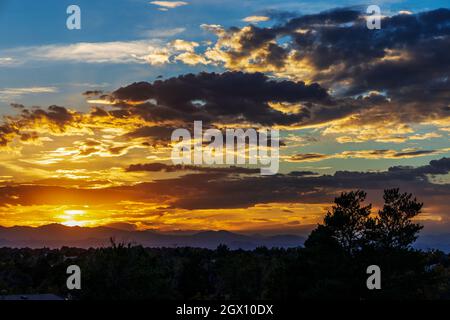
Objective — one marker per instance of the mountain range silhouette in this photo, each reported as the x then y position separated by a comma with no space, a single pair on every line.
56,235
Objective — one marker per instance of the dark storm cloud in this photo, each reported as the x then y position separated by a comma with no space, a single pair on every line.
215,188
331,17
307,157
59,116
231,96
31,136
156,133
225,193
413,153
341,36
408,59
216,99
56,119
280,15
7,134
366,154
435,167
92,93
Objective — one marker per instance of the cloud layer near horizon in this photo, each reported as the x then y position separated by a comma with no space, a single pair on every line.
218,194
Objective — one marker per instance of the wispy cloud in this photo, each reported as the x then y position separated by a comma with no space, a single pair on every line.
116,52
165,5
366,154
6,61
12,93
100,52
154,51
256,19
162,33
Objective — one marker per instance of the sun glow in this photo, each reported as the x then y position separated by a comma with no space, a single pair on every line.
74,212
70,218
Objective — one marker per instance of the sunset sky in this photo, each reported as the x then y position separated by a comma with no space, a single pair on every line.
88,114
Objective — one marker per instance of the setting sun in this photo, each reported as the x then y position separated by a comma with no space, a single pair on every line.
70,218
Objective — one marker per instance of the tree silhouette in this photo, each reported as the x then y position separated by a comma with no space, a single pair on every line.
393,228
350,225
346,224
352,238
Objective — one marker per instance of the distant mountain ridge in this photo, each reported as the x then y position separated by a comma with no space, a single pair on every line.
56,236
